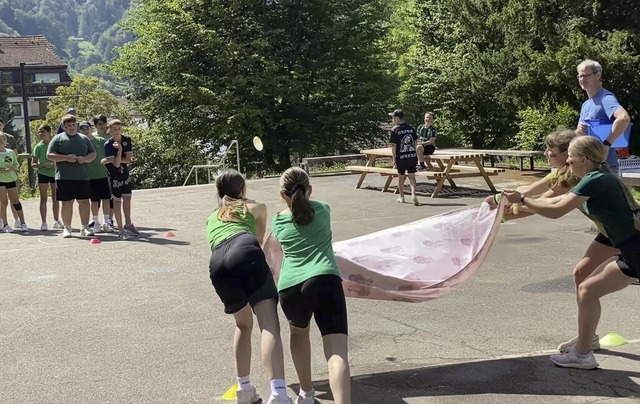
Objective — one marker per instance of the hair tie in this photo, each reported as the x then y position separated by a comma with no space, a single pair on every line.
298,187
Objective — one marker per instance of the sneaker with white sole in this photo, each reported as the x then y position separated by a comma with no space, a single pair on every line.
573,359
566,346
400,199
132,229
106,228
305,400
58,225
44,227
86,232
124,235
7,229
96,227
24,228
67,232
247,397
279,400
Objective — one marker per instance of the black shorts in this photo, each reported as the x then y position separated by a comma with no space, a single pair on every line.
429,149
629,258
8,185
99,189
407,166
120,187
240,274
69,190
45,179
321,296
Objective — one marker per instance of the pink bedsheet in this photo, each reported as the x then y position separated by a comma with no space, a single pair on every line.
413,262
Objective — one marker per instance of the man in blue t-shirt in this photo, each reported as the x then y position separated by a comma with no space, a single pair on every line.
602,105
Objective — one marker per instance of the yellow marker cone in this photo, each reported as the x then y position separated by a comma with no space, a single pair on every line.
613,339
231,393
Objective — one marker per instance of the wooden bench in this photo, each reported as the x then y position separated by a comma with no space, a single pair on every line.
492,154
309,161
458,171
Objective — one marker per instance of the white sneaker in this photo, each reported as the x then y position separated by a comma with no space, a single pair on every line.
106,228
279,400
96,227
306,400
572,359
24,228
44,227
247,397
86,232
400,199
7,229
67,232
566,346
17,224
58,225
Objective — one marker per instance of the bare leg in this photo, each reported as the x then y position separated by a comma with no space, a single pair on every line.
117,211
242,340
336,352
610,280
420,151
126,207
95,208
83,209
44,197
4,201
596,254
272,352
401,185
106,211
67,212
14,197
301,354
55,203
412,183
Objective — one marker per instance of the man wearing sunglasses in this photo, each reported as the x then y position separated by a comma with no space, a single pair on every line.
601,106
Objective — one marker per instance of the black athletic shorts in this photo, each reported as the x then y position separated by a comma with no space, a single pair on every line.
240,274
120,187
68,190
429,149
406,166
8,185
629,257
99,189
321,296
45,179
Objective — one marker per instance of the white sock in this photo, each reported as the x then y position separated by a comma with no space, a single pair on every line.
96,220
244,384
106,218
305,394
278,388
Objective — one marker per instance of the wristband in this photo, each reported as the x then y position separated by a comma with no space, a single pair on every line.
606,143
522,200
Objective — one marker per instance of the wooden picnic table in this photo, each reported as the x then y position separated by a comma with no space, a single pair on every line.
448,168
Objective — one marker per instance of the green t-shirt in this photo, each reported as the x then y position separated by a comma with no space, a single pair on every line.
607,206
426,133
78,144
218,231
40,154
96,169
8,158
308,249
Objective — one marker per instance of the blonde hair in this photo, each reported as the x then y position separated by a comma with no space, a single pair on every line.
233,207
294,183
591,148
560,140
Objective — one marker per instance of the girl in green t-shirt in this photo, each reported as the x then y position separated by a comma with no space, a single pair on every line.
310,285
8,186
603,197
46,178
243,280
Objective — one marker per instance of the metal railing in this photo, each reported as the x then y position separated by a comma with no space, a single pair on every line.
218,166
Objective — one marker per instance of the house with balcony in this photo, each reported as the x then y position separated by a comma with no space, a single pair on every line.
44,72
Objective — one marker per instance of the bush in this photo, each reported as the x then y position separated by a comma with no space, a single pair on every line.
535,124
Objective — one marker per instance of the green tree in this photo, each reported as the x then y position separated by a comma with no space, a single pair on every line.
307,76
6,113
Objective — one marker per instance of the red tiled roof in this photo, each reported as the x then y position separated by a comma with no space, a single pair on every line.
23,49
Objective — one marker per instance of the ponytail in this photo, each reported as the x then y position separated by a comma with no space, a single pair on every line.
232,209
301,210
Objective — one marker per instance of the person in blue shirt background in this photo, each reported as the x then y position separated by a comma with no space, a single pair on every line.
602,105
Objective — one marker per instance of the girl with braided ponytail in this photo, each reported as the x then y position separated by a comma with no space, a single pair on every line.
310,285
243,281
602,197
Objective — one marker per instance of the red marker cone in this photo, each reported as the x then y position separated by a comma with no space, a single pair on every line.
169,234
95,241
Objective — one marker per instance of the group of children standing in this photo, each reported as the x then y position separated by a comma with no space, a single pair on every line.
309,284
74,165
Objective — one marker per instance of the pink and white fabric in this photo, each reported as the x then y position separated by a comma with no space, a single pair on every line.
413,262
